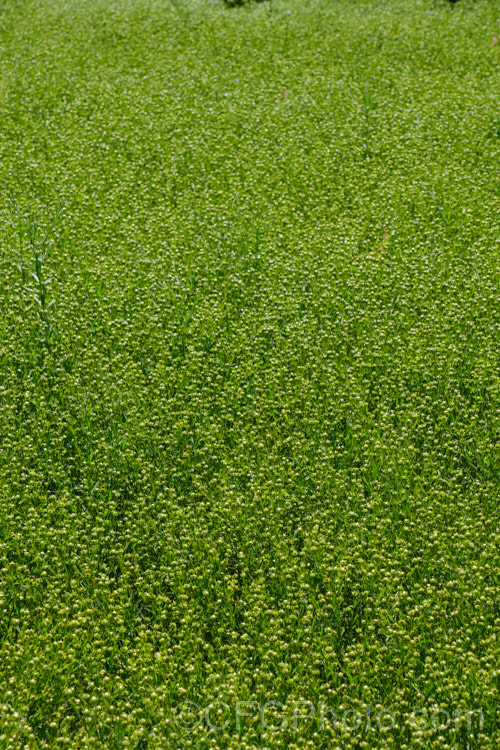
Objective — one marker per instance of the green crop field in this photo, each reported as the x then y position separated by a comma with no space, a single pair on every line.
249,374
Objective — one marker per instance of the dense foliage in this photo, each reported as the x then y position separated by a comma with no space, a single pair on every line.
238,3
250,374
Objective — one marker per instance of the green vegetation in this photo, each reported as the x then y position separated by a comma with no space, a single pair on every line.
250,374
